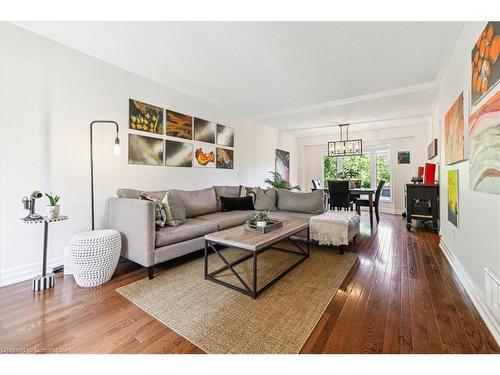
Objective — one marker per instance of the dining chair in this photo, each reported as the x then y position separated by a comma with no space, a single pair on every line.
339,194
366,202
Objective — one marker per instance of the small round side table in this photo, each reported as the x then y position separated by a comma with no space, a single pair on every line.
45,280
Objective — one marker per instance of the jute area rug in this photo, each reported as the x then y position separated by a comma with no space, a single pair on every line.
220,320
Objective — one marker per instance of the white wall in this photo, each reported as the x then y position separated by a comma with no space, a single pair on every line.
49,94
475,244
411,138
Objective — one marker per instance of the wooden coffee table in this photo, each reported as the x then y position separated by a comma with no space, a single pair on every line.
253,244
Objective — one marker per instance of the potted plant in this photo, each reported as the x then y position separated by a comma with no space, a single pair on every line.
278,182
261,219
53,208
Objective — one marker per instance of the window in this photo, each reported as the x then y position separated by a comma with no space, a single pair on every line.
371,167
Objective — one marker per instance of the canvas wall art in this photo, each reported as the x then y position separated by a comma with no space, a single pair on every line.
454,132
485,64
403,157
178,154
225,158
453,196
204,155
484,146
145,150
282,164
225,135
145,117
179,125
204,131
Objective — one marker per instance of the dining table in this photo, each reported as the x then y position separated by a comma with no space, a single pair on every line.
358,192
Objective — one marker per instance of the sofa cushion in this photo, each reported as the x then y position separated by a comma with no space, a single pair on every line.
191,228
226,191
312,202
134,193
236,203
197,202
228,219
264,200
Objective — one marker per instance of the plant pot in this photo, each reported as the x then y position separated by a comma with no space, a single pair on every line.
53,211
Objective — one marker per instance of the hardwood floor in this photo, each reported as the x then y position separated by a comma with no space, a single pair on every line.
401,297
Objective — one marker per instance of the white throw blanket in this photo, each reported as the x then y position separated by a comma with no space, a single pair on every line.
332,227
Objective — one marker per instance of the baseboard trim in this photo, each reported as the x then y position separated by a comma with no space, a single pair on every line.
475,294
26,272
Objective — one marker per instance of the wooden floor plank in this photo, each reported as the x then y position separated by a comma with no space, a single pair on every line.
400,297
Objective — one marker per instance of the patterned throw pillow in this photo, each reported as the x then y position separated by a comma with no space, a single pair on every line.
160,212
174,209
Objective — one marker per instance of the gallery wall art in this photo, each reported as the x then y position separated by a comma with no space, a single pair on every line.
454,132
225,158
145,117
179,125
453,196
484,146
225,135
282,164
145,150
485,64
403,157
204,155
204,131
178,154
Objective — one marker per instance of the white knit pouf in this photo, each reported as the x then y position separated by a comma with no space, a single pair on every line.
94,256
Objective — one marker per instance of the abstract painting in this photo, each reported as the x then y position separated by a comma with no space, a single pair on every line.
454,132
225,158
204,155
484,147
485,64
282,164
453,196
179,125
225,135
145,150
403,157
204,131
178,154
145,117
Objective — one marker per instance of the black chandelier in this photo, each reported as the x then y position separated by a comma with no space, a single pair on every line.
345,147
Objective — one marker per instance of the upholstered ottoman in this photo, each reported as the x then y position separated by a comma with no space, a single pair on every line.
94,256
334,228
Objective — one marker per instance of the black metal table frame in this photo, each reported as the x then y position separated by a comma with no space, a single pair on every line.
252,292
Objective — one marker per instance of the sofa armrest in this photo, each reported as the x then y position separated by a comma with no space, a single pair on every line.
135,220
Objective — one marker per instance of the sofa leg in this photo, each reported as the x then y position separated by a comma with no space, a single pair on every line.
341,248
150,272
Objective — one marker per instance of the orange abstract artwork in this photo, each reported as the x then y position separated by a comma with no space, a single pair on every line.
454,132
485,65
179,125
203,158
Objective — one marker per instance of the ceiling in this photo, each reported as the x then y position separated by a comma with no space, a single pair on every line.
291,75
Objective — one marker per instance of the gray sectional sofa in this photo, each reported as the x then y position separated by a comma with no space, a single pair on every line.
134,218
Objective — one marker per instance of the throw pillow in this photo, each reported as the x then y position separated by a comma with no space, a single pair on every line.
226,191
264,200
160,213
236,203
174,210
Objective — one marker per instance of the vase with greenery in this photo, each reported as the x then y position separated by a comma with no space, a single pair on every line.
260,219
53,209
278,182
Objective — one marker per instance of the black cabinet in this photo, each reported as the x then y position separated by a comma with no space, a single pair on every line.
422,203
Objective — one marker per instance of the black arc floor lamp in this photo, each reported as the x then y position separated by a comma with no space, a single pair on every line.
116,150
